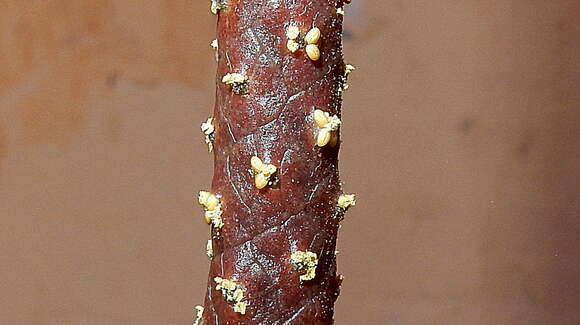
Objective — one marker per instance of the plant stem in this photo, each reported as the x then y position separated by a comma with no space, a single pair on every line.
274,257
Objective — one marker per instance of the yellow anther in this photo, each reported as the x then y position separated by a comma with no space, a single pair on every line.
214,46
240,307
313,52
323,137
211,202
313,36
305,262
292,32
208,130
257,164
233,293
320,117
328,126
234,78
269,170
214,217
237,81
346,201
209,248
292,46
261,181
199,315
348,69
238,294
202,197
213,210
333,123
263,172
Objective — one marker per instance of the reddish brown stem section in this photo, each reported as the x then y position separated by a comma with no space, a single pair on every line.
273,120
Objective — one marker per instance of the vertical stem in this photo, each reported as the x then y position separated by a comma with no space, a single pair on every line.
274,244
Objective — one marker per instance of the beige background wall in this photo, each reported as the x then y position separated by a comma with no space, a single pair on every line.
461,137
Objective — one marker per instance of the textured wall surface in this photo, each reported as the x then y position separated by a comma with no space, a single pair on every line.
462,139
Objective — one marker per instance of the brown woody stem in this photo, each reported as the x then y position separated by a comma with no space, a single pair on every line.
263,270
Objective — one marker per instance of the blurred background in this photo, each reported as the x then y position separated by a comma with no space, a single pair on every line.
461,138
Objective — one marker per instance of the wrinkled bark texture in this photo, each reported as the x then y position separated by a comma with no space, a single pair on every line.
274,121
